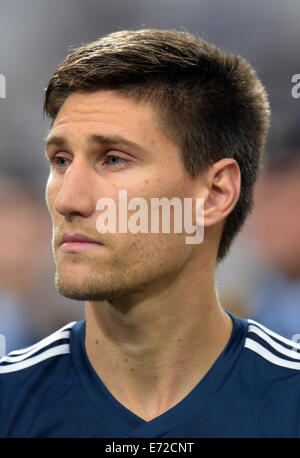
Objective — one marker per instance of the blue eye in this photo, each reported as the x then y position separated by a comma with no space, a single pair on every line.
114,160
59,161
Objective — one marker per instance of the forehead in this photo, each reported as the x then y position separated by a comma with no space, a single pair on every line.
105,108
111,115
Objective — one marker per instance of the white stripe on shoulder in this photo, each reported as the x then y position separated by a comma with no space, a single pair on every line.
50,339
277,336
47,340
278,347
262,351
54,351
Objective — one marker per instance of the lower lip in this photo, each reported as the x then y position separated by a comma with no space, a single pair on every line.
78,247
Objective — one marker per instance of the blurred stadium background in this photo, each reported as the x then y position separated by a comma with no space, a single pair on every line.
260,279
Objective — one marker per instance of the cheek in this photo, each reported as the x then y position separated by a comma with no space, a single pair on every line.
148,188
158,186
157,252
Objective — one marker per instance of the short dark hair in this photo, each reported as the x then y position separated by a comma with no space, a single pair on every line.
209,101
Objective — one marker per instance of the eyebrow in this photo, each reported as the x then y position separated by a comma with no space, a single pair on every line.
97,139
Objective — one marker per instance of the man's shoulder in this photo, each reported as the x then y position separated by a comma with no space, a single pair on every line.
30,360
268,357
38,383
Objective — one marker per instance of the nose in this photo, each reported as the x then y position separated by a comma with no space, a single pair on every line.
75,196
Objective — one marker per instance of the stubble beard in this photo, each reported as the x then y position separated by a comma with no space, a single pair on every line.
92,287
101,284
115,277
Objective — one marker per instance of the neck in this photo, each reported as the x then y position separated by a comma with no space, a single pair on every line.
157,347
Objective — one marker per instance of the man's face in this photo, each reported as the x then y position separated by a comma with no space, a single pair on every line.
143,161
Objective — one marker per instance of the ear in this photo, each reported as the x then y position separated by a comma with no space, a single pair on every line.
223,183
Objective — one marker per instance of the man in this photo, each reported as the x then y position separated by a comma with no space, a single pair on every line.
158,114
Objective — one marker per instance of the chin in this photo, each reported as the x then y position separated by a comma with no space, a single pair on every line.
91,289
88,289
